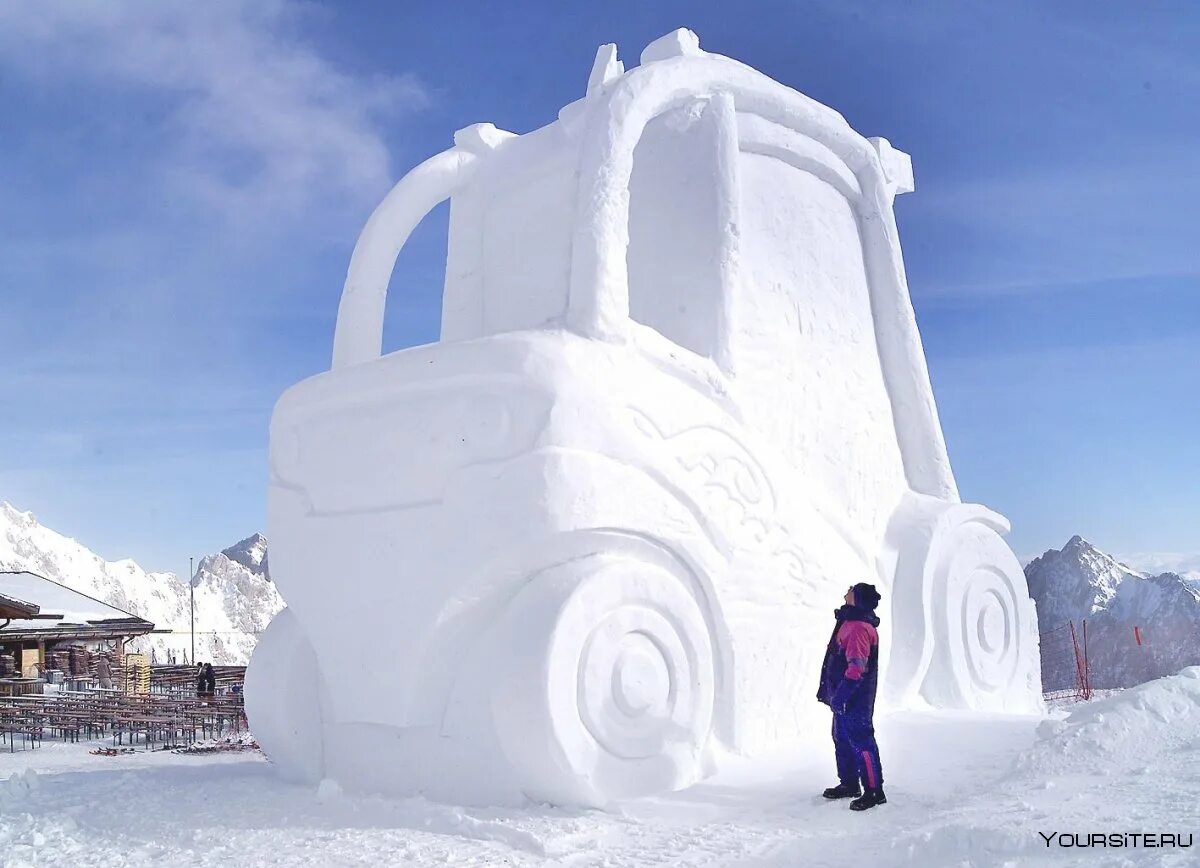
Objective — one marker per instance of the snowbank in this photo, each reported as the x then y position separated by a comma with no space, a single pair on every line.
1130,728
1125,765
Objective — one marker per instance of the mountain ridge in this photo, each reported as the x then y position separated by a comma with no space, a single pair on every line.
1082,583
234,596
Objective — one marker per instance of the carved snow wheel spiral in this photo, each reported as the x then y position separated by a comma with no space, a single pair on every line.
980,615
610,681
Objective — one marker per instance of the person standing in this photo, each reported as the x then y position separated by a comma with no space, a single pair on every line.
210,680
104,672
849,676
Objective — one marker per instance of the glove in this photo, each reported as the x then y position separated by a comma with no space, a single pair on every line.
841,696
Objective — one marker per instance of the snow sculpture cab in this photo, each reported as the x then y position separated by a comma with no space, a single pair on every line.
589,542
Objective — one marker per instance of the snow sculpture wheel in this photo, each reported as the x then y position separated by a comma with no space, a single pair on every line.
610,688
970,603
283,698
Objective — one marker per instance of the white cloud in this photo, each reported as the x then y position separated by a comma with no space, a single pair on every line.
259,124
1187,565
1065,226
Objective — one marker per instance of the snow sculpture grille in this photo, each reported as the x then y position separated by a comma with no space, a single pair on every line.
591,539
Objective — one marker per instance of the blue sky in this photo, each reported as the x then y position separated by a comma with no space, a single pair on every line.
181,185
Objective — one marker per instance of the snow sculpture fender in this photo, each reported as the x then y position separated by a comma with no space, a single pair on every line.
589,542
961,590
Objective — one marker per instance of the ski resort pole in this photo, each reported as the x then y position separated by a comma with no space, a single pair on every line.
1087,671
192,599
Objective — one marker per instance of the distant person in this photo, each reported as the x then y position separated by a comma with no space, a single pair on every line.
104,673
210,680
201,680
848,679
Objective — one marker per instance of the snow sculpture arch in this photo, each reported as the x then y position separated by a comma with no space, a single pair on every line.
584,560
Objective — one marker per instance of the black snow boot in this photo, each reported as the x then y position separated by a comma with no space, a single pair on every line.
869,799
843,791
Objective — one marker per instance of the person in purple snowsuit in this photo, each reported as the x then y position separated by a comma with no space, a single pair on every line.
848,679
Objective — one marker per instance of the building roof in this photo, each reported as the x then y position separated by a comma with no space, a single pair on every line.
11,607
75,614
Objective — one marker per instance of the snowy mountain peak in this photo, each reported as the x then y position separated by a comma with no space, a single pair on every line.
14,515
1073,582
13,519
251,553
1081,583
234,599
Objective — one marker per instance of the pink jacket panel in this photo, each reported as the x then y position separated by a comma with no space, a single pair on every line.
855,638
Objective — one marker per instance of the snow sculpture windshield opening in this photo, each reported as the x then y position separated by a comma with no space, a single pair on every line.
675,280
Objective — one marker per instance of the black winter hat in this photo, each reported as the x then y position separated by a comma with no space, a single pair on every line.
865,596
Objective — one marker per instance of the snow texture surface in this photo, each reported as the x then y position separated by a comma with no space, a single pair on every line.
679,405
964,790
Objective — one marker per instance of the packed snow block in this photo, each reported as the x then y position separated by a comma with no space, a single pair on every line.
677,43
588,543
282,689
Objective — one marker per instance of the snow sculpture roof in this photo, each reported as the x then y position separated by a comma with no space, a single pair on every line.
605,127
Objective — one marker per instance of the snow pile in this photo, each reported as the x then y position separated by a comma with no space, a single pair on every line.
19,786
1125,764
1128,729
235,598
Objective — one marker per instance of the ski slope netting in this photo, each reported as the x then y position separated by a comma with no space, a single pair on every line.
1081,657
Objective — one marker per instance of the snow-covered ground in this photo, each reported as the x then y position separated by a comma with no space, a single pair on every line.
973,791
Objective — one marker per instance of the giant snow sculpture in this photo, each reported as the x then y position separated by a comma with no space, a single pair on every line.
589,542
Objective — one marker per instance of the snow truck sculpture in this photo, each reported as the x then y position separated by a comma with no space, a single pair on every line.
590,541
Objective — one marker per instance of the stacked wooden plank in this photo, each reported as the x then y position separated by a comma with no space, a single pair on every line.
81,662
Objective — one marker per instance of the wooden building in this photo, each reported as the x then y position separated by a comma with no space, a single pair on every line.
46,627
